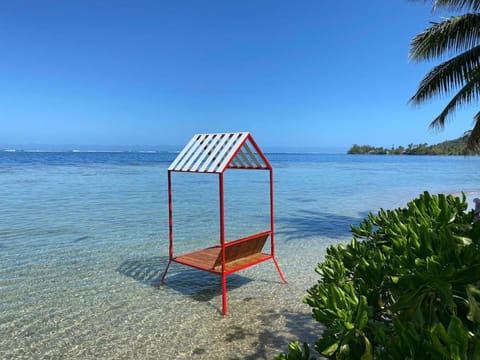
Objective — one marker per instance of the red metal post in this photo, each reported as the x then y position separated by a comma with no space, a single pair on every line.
279,271
165,272
170,214
272,225
222,242
170,225
259,151
272,217
224,294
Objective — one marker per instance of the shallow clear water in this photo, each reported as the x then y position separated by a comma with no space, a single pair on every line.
84,241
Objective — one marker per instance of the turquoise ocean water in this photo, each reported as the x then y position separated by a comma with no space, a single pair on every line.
84,241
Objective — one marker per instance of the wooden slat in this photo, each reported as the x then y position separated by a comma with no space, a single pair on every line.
203,259
243,262
242,249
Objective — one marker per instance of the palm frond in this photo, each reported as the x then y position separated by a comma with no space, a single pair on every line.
457,36
457,4
453,35
469,93
453,4
474,137
448,76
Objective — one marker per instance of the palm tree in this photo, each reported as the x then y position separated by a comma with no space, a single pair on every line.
460,36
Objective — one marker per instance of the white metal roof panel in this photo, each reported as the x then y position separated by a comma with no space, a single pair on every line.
213,153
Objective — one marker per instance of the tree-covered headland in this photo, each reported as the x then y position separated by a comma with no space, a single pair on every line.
452,147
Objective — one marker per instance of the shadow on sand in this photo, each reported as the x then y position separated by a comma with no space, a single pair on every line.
203,286
298,326
310,223
197,284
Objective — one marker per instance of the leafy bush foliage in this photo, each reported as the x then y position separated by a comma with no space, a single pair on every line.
406,287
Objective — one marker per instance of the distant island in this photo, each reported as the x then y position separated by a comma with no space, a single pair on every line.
450,147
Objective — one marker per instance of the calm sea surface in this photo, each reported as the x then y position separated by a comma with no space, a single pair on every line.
84,241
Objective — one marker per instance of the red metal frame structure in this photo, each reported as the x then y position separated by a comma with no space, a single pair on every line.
214,154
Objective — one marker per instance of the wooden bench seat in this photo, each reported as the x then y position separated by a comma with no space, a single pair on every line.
238,255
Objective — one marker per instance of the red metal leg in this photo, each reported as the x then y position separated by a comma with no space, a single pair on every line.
165,272
224,295
280,271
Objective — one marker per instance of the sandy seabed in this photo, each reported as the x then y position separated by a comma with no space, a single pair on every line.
106,312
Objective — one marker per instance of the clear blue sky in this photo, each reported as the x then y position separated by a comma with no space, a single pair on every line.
313,73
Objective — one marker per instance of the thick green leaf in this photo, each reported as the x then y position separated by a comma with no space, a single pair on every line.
459,337
361,318
473,307
331,349
368,354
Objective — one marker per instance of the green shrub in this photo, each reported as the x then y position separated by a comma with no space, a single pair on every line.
406,287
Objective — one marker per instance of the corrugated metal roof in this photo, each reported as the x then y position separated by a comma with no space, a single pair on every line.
213,153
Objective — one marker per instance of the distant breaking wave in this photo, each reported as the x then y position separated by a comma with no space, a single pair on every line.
90,151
